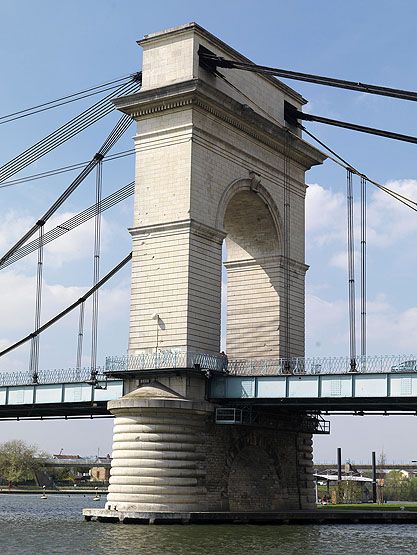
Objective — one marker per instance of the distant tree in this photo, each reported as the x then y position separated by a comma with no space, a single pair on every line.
412,489
18,461
382,458
396,486
349,492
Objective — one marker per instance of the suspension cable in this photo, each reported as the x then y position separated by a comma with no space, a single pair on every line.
63,169
80,337
71,307
363,271
34,351
32,113
115,134
334,156
291,115
96,274
211,62
364,180
53,234
65,132
351,270
50,104
337,159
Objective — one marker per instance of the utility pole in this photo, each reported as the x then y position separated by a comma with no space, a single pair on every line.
374,477
339,464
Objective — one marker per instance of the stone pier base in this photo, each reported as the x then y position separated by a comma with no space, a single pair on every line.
320,516
170,457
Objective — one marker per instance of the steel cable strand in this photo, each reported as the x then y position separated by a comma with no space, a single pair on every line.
59,136
34,351
55,104
351,270
72,95
71,307
337,159
63,133
213,61
363,270
63,169
96,274
113,199
61,199
56,137
45,146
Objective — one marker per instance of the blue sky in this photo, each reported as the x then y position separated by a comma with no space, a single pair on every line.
50,49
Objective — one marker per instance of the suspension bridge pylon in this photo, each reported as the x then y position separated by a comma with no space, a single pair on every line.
215,162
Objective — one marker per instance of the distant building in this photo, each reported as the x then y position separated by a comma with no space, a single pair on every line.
101,473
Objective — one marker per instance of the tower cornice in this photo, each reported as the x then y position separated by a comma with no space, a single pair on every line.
196,93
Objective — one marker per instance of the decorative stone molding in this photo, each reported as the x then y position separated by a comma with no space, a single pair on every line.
172,228
266,262
196,93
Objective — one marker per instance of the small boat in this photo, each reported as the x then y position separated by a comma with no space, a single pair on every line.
44,496
96,497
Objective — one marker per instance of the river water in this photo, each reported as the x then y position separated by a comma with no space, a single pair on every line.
30,525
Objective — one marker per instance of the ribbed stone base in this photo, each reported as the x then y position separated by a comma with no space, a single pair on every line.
157,452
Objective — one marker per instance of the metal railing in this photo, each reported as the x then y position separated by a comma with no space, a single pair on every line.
328,365
166,359
261,367
56,376
204,361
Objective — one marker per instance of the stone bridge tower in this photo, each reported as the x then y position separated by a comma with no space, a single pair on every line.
215,162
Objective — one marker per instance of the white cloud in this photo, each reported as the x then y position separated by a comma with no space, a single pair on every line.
388,221
389,330
78,244
325,214
17,309
12,227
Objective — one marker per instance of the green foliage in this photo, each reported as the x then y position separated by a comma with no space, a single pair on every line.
399,487
61,474
18,461
349,492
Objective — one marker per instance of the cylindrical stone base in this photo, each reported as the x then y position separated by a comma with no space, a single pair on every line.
157,454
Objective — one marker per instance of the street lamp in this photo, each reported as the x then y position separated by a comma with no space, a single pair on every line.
155,317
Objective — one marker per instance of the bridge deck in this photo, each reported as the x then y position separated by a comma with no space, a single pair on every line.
354,391
380,383
58,400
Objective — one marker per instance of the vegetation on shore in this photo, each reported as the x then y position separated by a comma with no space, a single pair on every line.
19,461
22,468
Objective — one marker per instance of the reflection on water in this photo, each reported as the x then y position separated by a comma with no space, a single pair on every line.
30,525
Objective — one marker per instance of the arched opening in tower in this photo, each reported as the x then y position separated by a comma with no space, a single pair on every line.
252,281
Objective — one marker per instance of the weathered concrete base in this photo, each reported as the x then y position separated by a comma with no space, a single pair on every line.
327,516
